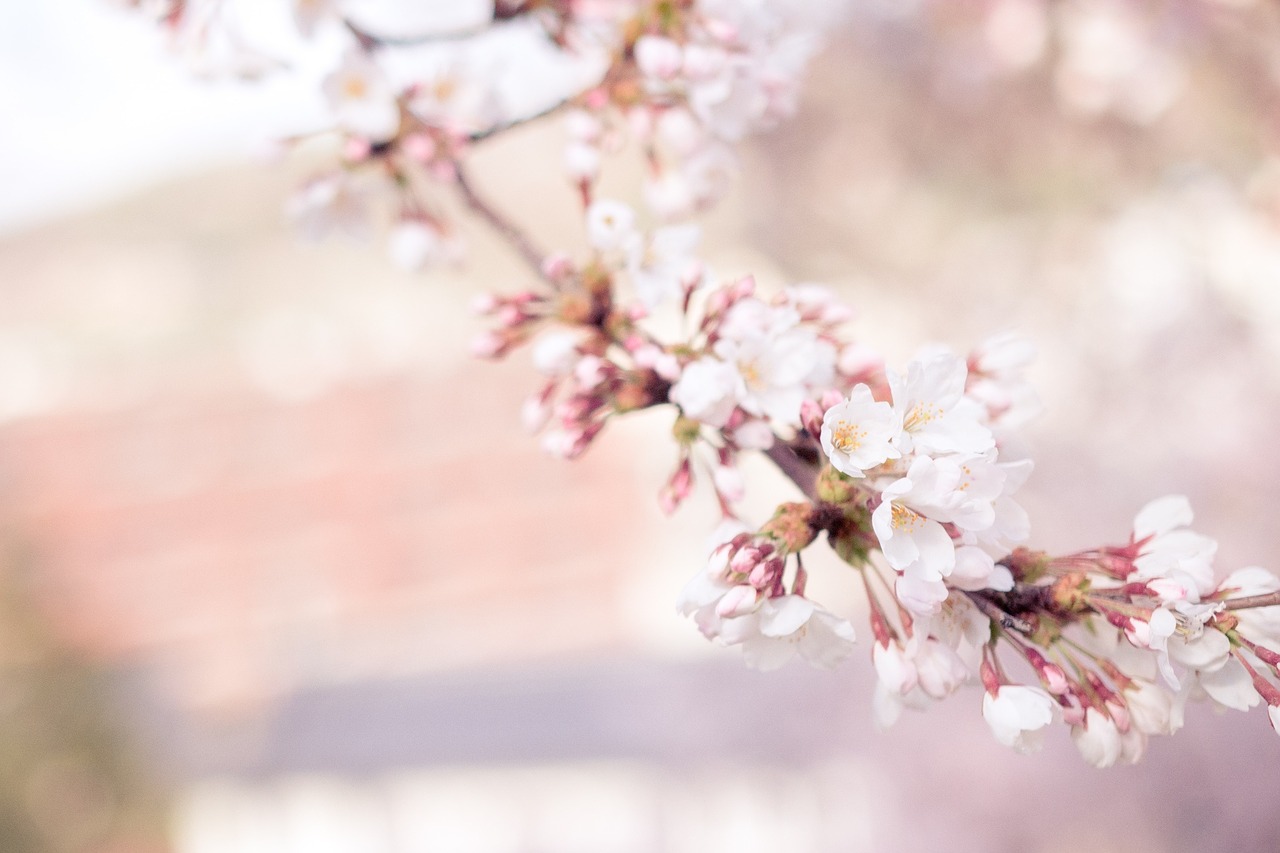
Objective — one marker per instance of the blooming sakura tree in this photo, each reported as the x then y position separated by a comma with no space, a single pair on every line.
909,472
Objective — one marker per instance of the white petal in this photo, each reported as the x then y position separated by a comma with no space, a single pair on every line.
784,615
1162,515
1231,686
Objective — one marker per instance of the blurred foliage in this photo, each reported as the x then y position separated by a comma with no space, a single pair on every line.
68,780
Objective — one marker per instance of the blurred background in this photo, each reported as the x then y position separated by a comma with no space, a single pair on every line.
280,573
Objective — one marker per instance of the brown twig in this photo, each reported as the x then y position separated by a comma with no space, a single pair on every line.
531,254
996,614
481,135
801,471
1270,599
373,41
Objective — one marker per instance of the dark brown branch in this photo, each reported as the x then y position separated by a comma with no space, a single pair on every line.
994,612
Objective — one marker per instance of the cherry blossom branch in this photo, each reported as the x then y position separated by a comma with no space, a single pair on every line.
797,462
1270,599
482,135
524,246
372,41
997,614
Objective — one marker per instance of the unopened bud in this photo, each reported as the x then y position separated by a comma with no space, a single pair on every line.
418,147
811,414
738,601
557,266
356,149
1055,680
489,345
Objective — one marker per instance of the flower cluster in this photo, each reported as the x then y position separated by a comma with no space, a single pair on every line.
685,78
911,474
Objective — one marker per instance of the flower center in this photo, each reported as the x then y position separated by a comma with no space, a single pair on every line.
922,414
354,88
905,519
847,437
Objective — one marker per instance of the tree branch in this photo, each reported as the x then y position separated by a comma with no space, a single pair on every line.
532,255
481,135
1270,599
372,41
799,470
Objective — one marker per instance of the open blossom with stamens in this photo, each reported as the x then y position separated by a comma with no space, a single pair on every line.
911,541
858,433
778,361
936,416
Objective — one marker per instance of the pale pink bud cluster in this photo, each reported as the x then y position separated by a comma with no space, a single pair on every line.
741,599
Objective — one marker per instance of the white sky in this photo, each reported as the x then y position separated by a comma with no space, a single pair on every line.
93,104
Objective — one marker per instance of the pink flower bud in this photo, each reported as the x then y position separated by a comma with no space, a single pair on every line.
1073,714
738,601
484,304
355,149
729,483
418,147
597,99
511,315
1119,714
766,574
590,371
1055,680
557,266
811,417
488,345
657,56
830,398
535,413
745,560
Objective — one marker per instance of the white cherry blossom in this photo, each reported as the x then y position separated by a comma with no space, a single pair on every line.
858,433
1230,686
1018,716
1167,551
897,672
707,391
787,625
939,668
911,541
362,98
1153,709
661,266
936,417
1098,739
610,225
